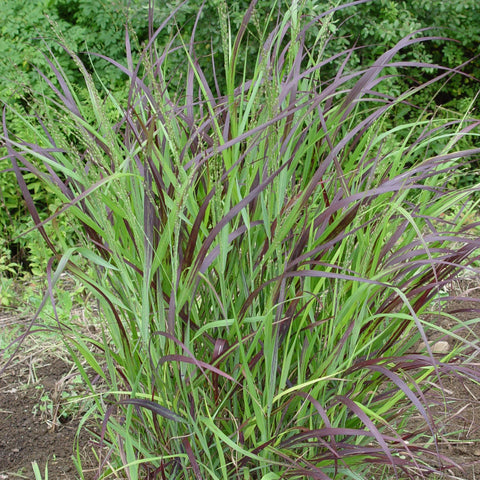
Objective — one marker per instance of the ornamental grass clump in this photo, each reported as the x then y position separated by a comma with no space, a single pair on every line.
264,256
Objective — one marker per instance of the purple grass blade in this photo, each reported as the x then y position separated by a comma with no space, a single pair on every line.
23,186
67,96
191,357
198,363
154,407
191,457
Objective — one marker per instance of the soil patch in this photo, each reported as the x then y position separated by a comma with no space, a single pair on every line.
34,424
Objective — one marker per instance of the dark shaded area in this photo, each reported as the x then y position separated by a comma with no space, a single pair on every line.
20,256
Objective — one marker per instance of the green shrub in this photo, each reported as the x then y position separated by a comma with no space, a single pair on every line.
93,25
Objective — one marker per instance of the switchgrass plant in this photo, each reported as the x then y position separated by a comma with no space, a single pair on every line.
263,257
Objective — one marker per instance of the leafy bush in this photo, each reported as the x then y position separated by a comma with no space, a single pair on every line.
93,25
380,24
263,256
27,30
96,26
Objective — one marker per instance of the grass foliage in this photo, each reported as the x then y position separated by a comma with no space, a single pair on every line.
262,255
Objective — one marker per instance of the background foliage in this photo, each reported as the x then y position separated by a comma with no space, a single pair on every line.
99,26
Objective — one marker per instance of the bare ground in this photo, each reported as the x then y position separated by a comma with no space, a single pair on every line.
34,424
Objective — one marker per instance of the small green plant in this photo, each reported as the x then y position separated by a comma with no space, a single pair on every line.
45,405
7,291
8,274
37,473
263,254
